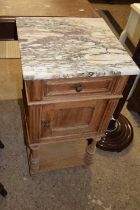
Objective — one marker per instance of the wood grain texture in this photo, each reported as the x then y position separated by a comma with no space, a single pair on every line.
60,155
62,119
90,150
34,159
34,122
39,90
120,84
71,118
9,49
59,128
79,8
90,85
112,104
10,79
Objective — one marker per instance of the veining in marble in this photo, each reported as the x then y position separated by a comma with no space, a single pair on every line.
63,47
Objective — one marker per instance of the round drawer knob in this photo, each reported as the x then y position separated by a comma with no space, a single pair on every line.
78,87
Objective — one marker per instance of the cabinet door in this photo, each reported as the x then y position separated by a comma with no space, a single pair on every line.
67,118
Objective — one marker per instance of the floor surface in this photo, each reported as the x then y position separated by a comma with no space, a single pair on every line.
112,183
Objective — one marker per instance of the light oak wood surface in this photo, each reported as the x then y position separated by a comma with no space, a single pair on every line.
46,89
80,8
9,49
10,79
59,121
61,155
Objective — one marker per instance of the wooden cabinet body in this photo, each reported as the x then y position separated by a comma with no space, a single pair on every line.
68,116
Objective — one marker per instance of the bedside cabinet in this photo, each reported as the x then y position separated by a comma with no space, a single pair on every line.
66,117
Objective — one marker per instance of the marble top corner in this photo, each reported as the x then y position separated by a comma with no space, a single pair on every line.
63,47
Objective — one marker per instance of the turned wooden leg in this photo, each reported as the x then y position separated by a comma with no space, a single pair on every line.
34,160
91,148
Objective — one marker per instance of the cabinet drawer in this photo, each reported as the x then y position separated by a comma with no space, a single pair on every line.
38,90
78,86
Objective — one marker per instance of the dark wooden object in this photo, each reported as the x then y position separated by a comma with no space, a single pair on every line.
8,30
134,101
3,192
120,132
115,1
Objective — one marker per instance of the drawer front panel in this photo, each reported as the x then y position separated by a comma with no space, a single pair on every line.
78,86
42,90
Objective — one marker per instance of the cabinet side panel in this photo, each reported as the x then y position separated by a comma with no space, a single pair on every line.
34,123
107,115
120,85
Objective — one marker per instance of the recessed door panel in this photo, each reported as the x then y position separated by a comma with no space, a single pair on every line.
71,117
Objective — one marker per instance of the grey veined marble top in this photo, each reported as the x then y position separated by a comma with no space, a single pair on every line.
63,47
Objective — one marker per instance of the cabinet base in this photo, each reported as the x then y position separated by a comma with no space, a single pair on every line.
57,155
119,138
